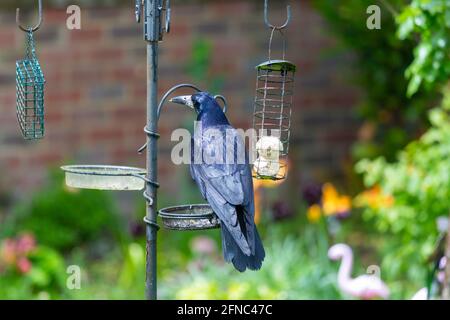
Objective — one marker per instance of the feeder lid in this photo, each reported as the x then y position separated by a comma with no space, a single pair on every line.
277,65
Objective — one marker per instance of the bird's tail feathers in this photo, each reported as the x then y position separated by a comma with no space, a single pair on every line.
233,253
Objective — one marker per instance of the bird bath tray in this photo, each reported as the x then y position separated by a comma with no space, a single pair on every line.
104,177
189,217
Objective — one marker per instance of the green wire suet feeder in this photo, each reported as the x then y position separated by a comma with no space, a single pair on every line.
30,84
272,111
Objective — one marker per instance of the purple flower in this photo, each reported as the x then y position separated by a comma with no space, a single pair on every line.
137,229
343,215
281,210
312,194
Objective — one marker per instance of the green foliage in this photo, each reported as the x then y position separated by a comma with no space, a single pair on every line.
430,20
420,185
133,269
381,60
199,66
63,218
296,267
46,279
419,179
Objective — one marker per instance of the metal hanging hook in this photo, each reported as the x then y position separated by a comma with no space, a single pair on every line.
37,26
266,17
168,16
138,10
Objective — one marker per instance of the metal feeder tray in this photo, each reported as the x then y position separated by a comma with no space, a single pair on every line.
104,177
189,217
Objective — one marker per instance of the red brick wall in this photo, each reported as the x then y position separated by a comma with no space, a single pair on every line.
95,93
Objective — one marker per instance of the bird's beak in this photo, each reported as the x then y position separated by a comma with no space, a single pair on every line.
184,100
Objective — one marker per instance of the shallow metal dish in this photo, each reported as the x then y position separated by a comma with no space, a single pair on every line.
189,217
104,177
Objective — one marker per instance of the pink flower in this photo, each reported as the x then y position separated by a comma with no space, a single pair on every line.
203,245
26,244
24,265
14,253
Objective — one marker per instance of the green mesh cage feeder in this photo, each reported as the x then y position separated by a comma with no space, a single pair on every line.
30,84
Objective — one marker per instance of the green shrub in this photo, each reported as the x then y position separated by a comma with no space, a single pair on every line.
391,119
199,66
431,21
419,180
38,272
419,183
63,218
296,267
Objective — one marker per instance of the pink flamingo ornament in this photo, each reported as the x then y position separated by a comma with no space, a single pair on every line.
363,287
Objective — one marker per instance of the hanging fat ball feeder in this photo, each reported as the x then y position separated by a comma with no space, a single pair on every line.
273,110
30,83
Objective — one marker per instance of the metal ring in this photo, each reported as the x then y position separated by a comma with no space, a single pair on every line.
147,180
149,134
151,223
148,198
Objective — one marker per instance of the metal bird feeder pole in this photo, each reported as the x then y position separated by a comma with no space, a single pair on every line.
188,217
153,33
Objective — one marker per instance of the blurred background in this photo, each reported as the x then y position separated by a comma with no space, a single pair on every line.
367,165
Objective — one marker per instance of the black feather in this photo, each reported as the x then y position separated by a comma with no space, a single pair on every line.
228,187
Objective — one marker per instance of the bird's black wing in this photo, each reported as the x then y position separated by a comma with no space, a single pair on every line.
228,188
